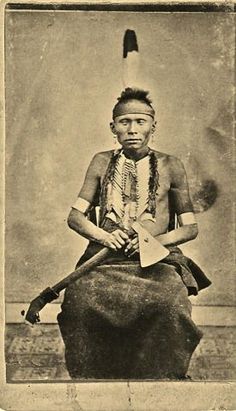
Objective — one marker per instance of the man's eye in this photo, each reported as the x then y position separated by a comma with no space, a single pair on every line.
141,122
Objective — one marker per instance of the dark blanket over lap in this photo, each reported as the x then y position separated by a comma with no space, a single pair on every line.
122,321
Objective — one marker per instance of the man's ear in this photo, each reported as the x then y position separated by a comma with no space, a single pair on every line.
154,125
112,127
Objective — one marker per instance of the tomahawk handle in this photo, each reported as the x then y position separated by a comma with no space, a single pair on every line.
51,293
82,270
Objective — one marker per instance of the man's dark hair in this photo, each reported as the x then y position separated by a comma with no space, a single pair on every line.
134,94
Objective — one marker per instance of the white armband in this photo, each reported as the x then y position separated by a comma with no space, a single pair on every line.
186,219
81,205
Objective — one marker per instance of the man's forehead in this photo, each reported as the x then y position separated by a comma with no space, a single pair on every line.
134,116
131,107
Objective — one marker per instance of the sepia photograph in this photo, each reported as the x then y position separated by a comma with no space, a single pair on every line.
118,206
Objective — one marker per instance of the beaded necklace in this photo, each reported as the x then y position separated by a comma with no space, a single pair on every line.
105,201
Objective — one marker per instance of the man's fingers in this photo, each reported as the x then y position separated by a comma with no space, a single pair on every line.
128,247
135,241
135,248
117,238
123,235
117,244
114,241
114,245
132,243
134,252
132,247
120,236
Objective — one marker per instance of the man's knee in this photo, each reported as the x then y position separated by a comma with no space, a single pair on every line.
170,282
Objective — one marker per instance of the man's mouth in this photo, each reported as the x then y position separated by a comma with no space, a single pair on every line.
132,140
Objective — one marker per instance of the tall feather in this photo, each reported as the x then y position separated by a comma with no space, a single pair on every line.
130,60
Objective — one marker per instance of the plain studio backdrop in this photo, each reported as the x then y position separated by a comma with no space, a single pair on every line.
63,75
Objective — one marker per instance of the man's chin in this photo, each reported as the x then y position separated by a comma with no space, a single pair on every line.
132,145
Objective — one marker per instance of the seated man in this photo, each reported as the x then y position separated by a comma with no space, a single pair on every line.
124,320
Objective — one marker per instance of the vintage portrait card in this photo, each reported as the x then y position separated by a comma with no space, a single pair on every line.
118,193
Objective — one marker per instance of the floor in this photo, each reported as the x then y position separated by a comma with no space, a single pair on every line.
38,354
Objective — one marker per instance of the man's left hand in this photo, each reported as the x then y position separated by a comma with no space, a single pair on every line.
132,246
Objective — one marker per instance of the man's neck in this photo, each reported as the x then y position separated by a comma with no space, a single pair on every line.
136,154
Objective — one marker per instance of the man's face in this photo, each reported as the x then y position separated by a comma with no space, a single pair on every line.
133,131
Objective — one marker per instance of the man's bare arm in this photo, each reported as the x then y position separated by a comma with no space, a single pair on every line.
78,222
179,235
188,229
77,219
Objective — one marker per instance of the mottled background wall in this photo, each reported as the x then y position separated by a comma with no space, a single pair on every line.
63,73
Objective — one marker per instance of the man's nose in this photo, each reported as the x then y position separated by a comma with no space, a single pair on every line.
132,127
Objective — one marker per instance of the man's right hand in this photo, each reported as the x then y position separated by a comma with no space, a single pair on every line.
115,240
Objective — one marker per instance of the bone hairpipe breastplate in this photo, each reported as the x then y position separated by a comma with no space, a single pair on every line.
128,192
